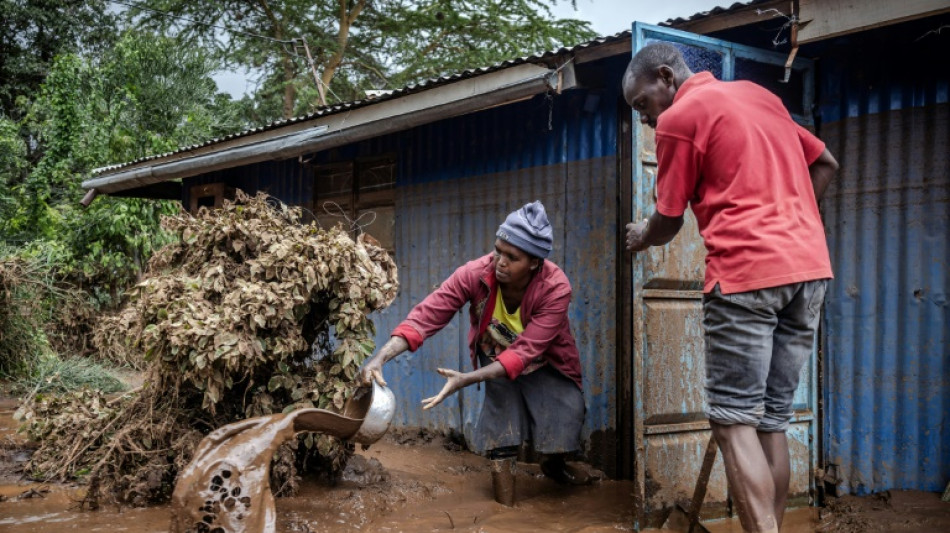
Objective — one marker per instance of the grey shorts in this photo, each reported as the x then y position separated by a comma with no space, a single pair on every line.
543,407
756,345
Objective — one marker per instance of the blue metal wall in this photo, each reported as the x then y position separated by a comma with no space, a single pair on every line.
457,179
886,361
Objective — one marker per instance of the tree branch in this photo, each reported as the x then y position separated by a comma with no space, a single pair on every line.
346,21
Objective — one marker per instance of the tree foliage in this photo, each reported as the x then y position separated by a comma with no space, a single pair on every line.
233,320
358,44
146,95
34,32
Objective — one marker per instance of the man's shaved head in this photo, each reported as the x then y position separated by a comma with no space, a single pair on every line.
652,79
650,58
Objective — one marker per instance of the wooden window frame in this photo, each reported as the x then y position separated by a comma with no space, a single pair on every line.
219,191
356,199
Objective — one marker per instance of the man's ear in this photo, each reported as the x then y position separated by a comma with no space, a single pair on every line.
665,73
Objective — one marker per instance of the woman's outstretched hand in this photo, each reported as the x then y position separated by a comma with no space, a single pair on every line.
373,368
454,381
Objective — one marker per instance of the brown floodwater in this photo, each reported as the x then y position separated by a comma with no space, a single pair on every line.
226,487
429,485
389,487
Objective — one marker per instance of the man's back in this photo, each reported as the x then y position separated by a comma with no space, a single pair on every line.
732,152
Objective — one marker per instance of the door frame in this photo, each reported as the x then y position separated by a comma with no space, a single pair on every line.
635,204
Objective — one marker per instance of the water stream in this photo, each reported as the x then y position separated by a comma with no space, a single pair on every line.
226,487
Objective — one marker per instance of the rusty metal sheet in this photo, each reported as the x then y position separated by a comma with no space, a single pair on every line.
672,463
886,117
673,460
673,381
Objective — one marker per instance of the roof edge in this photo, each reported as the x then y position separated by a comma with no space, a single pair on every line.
463,97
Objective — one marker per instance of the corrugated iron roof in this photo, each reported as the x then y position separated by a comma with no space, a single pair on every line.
718,10
347,106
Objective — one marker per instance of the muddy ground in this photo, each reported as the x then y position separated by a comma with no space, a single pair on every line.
415,482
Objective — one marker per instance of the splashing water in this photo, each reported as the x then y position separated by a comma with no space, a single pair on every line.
226,487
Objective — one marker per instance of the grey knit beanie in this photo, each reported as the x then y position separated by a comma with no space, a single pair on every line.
528,229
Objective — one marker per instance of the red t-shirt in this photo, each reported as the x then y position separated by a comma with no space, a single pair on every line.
731,151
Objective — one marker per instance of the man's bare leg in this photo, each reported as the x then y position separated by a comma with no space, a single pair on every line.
775,447
750,477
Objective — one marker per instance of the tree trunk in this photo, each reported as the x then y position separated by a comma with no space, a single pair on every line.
290,92
346,20
287,62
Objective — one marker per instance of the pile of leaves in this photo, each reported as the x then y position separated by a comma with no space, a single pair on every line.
21,339
249,313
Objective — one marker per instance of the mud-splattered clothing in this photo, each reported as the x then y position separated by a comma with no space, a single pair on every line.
547,330
503,330
542,407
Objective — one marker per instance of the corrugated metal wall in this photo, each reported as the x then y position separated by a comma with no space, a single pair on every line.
457,180
886,361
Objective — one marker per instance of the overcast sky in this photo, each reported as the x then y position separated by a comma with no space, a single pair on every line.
612,16
607,17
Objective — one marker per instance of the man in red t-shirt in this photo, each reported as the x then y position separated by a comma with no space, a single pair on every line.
752,176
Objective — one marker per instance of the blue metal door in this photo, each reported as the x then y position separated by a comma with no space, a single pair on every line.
670,429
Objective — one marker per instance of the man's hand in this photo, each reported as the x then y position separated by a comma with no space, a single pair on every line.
635,236
655,231
454,381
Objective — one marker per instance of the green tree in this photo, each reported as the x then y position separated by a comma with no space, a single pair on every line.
146,95
13,164
357,44
34,32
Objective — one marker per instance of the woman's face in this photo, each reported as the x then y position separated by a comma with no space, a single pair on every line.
512,265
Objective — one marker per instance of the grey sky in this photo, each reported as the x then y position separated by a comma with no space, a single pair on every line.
607,17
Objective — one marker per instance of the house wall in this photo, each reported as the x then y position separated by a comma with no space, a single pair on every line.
456,181
886,363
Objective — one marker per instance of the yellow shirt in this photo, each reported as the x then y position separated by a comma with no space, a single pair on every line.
512,321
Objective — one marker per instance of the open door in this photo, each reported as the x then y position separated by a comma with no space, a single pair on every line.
668,363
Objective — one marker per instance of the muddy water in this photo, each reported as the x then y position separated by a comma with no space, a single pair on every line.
388,488
226,487
425,486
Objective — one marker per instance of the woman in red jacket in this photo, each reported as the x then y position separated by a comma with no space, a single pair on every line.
521,347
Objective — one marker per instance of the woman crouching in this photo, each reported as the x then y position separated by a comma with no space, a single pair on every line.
521,348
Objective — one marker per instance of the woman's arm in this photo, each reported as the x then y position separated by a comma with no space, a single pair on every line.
373,369
457,380
426,319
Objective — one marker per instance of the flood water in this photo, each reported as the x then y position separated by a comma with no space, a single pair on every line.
226,487
391,487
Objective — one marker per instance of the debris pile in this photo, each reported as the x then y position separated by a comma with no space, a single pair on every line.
21,310
249,313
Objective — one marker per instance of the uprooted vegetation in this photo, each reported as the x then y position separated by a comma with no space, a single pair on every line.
21,341
249,313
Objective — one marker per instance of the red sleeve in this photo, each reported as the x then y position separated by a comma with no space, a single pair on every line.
412,336
811,146
678,169
546,322
438,308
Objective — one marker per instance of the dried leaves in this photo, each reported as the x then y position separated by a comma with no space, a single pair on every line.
236,319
